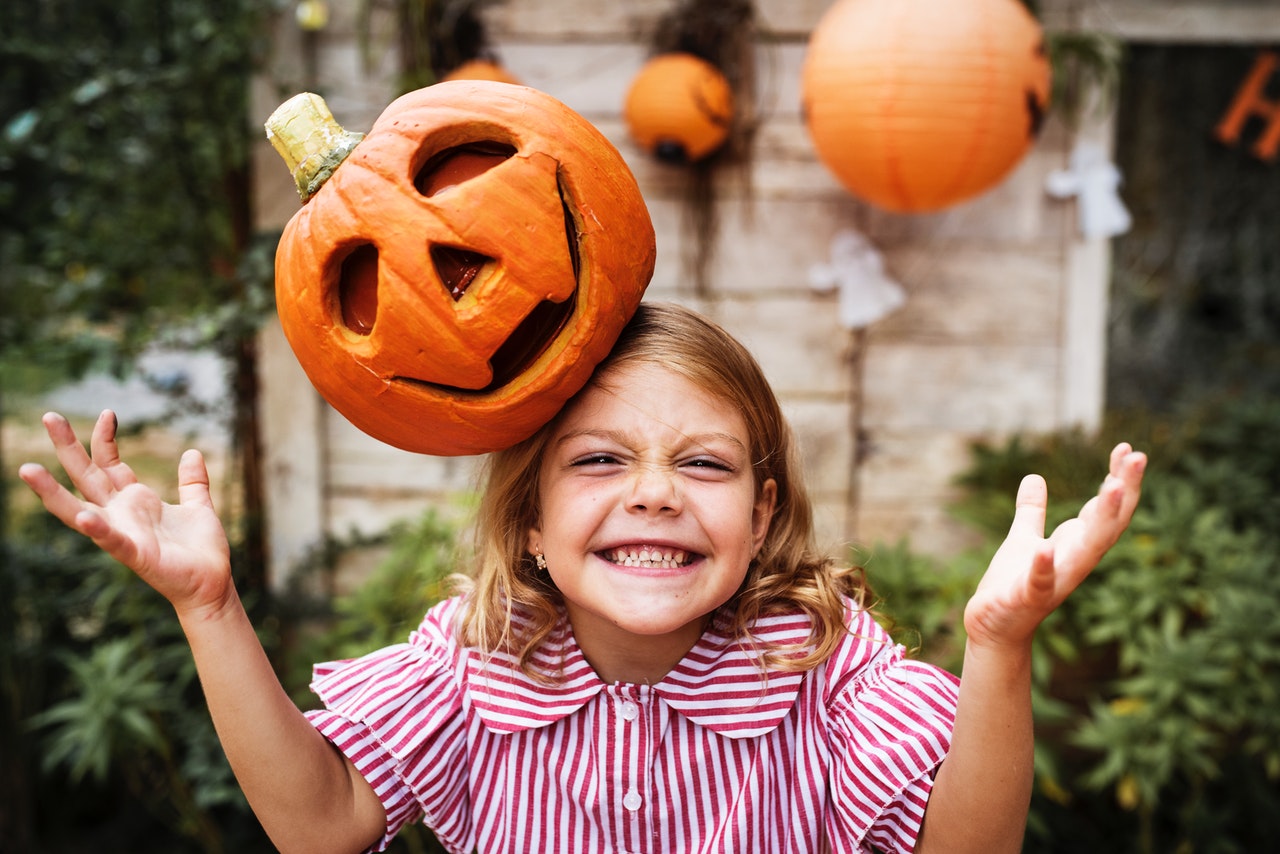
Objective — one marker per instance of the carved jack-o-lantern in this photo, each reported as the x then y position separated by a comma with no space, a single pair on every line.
461,272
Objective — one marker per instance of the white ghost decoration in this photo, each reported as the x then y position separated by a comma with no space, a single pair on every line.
866,293
1095,180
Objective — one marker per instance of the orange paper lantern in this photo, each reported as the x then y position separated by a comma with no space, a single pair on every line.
462,271
679,108
916,105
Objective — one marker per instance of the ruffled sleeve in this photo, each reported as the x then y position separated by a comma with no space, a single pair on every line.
891,720
396,714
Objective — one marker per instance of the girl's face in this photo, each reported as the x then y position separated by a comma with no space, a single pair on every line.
650,513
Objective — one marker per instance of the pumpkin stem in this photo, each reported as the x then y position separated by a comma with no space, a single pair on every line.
311,142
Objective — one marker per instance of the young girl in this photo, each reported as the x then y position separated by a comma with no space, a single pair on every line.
651,655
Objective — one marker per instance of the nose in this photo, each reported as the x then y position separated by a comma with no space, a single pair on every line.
655,489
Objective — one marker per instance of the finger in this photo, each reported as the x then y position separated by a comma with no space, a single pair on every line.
1030,506
193,480
55,497
92,482
1041,579
105,451
1123,486
1118,454
111,540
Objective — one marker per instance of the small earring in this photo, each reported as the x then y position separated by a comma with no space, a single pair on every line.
540,561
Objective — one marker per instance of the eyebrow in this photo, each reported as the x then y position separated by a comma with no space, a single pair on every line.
620,437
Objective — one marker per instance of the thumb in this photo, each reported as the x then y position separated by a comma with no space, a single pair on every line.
193,480
1030,506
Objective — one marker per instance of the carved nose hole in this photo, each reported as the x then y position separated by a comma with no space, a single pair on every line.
457,268
456,165
358,289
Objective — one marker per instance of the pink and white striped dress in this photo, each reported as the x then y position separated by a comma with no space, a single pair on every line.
717,757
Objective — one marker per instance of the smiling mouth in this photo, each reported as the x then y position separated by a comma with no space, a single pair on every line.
648,557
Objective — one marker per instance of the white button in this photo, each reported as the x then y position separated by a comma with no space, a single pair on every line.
632,800
629,711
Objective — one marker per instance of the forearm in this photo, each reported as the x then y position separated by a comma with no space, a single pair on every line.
305,793
980,798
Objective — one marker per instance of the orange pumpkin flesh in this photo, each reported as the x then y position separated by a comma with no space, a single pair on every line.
462,272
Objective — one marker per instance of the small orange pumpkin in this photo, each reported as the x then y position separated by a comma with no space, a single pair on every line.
679,108
916,105
481,69
461,272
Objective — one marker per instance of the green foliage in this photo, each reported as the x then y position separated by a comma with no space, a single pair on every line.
1157,682
123,156
386,606
390,602
111,711
102,705
102,702
922,600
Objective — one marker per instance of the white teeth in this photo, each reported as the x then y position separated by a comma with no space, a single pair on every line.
649,556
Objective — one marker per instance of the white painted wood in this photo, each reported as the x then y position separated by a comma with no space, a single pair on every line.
960,292
294,458
1087,277
970,389
1191,21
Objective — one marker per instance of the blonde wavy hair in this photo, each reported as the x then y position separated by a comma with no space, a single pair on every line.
788,573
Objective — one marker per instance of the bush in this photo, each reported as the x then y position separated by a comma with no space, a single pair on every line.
1157,682
105,728
105,722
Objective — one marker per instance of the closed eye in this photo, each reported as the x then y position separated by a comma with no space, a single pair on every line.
595,460
706,467
712,464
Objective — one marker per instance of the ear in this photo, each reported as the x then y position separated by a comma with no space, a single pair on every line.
533,541
762,513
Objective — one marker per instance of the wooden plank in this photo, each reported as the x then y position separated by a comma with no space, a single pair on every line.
1183,21
964,388
798,344
965,293
578,20
294,476
359,463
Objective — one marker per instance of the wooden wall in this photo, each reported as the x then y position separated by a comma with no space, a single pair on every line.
1003,329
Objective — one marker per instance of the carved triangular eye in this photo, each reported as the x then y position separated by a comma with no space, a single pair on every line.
457,268
456,165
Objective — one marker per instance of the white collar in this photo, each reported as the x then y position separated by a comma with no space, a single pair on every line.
719,683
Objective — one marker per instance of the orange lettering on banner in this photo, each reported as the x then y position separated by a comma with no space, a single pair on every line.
1251,100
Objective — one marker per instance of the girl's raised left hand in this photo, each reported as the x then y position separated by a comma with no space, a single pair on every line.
1030,576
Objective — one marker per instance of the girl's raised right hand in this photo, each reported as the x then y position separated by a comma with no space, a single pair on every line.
179,549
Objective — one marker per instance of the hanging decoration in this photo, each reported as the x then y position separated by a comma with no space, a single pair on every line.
454,276
1095,181
679,108
1251,100
866,293
917,105
721,34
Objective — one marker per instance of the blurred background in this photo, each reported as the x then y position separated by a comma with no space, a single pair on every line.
945,295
